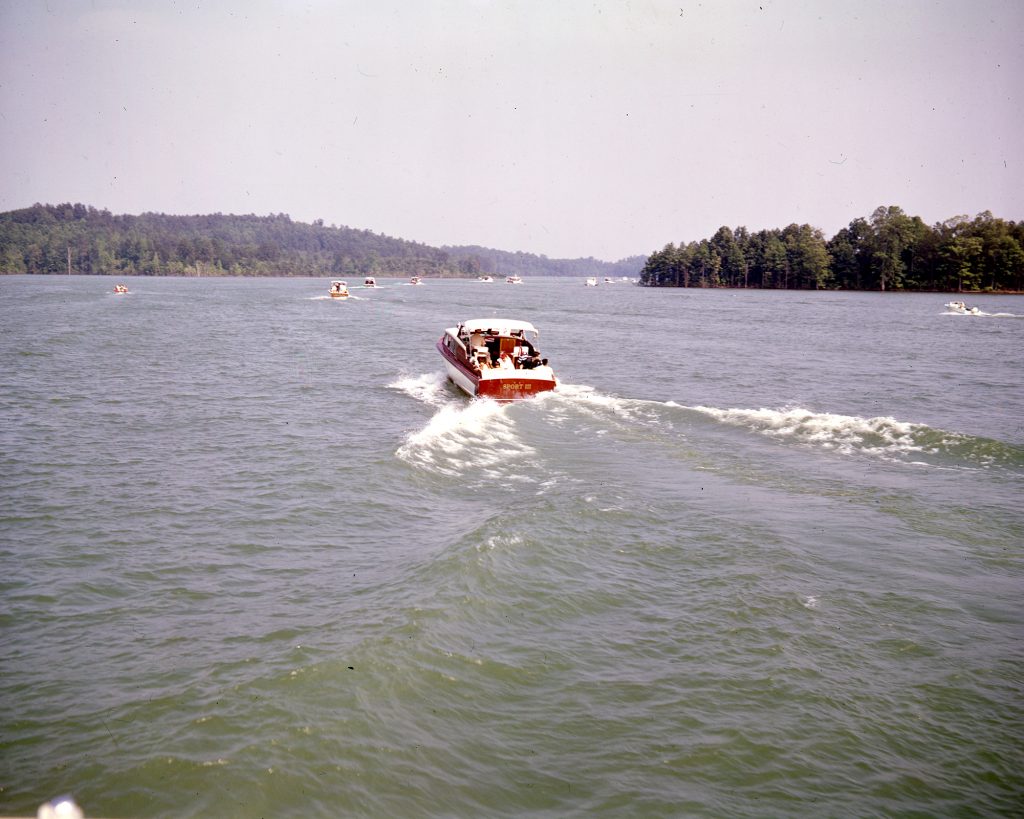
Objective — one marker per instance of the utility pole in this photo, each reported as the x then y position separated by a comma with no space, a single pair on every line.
69,260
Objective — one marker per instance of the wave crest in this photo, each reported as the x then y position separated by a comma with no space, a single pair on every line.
429,388
881,436
461,437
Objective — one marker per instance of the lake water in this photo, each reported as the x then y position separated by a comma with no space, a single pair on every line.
761,553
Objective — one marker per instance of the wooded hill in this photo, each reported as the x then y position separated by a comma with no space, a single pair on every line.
889,251
57,238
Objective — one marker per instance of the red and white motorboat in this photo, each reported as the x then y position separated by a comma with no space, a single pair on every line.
496,358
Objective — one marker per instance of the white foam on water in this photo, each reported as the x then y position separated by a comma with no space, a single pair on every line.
589,401
429,388
462,437
499,541
981,314
846,434
809,602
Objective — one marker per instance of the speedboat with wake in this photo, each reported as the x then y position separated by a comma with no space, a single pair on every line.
120,288
513,279
339,289
963,309
495,358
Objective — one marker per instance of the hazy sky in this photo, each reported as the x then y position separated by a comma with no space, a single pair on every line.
564,127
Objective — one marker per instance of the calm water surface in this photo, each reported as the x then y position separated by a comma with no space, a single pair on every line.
759,555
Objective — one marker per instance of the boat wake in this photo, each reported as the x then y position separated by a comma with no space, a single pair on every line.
430,388
848,435
608,410
881,437
482,434
843,433
979,314
462,436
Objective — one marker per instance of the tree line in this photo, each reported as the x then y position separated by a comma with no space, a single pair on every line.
889,251
80,239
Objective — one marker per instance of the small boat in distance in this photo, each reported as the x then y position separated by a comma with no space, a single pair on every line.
609,280
495,358
369,281
513,279
484,278
591,281
963,309
339,289
120,288
415,280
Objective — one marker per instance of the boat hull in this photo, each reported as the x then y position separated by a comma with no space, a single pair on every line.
499,385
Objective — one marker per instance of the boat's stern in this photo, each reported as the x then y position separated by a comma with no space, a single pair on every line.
511,385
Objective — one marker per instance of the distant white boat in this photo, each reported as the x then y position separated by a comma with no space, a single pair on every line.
962,309
513,279
591,281
484,279
369,281
415,280
339,289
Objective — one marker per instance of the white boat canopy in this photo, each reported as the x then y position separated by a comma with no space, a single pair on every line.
503,327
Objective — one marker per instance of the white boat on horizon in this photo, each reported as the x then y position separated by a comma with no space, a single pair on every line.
485,278
369,281
591,281
513,279
339,289
495,358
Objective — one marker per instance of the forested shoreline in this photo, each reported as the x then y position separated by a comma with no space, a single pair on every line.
891,251
80,239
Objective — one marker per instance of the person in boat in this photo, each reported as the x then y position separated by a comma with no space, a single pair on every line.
525,354
505,361
493,344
